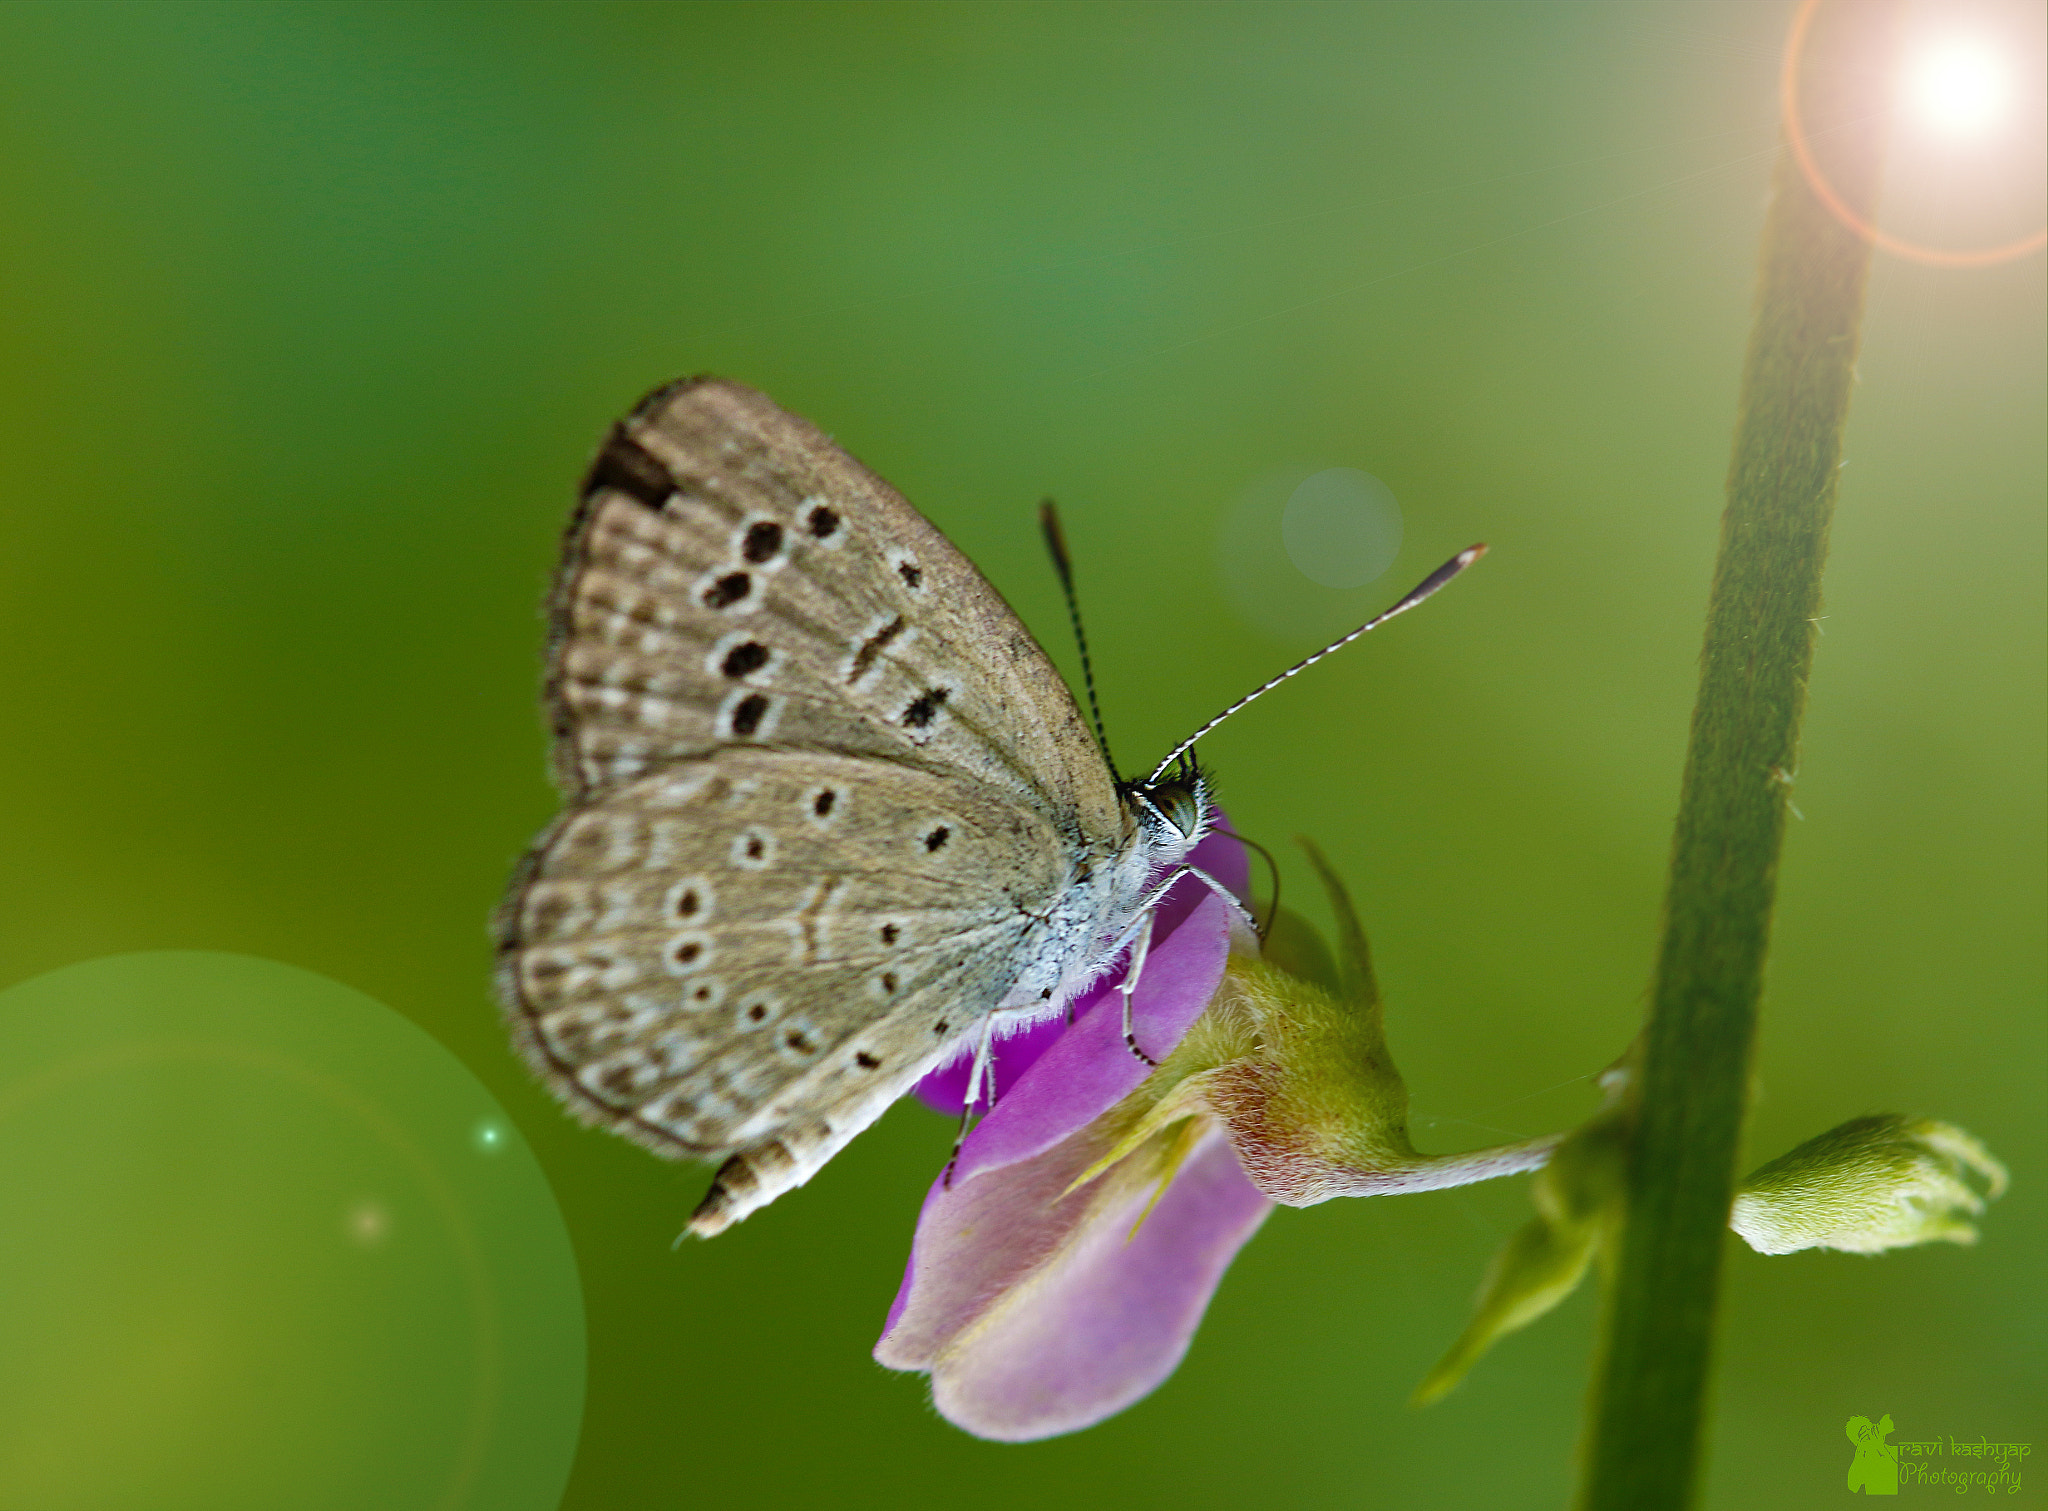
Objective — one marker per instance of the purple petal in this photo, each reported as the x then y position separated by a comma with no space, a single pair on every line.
1038,1314
1074,1082
975,1238
1219,854
1036,1309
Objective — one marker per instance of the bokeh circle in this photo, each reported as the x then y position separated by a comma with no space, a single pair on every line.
1341,527
265,1242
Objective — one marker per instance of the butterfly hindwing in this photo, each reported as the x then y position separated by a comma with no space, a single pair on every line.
757,944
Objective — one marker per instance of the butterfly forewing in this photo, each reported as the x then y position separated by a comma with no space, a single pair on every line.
829,801
779,593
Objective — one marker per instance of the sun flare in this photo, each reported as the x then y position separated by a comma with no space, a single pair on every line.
1960,87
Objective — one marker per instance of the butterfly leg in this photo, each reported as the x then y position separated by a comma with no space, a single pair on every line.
983,1072
1141,942
1223,892
1141,946
1139,937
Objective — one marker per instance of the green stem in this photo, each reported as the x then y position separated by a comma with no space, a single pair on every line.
1646,1417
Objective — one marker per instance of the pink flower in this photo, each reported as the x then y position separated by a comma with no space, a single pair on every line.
1061,1273
1040,1306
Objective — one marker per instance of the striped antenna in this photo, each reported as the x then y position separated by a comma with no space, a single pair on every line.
1056,542
1420,591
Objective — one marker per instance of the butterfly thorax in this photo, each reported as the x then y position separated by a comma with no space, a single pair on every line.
1094,916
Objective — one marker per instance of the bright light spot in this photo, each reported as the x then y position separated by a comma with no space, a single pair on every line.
1960,87
487,1137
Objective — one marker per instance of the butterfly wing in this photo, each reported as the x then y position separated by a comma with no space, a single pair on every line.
734,577
758,646
760,950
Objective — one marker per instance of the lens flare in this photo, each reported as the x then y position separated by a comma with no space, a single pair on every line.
1958,84
1959,87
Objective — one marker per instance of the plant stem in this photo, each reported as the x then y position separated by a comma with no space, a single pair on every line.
1688,1096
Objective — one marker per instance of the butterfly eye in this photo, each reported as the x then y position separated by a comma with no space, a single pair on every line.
1176,802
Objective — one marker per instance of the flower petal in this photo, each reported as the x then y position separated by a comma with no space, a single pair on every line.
977,1237
1038,1313
1085,1075
1037,1307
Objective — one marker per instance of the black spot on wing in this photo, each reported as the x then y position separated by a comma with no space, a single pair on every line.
742,659
925,707
624,464
873,646
728,590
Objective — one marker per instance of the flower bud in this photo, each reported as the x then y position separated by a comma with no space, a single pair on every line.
1875,1183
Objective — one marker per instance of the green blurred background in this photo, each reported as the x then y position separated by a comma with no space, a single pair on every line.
314,312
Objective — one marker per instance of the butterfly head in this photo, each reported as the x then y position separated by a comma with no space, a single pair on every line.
1172,809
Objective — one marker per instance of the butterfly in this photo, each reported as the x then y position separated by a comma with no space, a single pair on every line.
831,815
